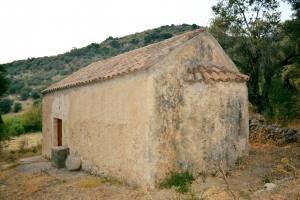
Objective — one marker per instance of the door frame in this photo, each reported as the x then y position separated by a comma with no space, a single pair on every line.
57,124
59,132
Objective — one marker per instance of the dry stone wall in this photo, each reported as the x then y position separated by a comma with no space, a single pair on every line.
260,132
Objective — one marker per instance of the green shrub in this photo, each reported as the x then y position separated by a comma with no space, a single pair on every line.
24,95
27,89
12,126
5,105
194,26
17,107
115,44
37,101
181,180
35,94
32,119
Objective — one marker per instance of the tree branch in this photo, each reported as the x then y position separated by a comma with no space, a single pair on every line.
242,12
286,60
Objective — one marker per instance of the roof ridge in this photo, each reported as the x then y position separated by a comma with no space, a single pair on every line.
125,63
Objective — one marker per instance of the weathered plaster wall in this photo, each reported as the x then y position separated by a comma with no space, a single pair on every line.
216,127
107,125
197,125
140,126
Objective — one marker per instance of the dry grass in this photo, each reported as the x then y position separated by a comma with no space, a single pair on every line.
21,148
31,139
294,124
15,156
90,183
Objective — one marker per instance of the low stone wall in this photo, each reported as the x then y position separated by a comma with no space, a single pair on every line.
258,132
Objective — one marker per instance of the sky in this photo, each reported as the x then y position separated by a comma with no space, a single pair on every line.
37,28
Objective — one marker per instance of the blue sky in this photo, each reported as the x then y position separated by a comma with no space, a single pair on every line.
36,28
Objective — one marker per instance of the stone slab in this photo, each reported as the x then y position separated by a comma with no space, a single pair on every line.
33,167
59,156
33,160
63,173
45,167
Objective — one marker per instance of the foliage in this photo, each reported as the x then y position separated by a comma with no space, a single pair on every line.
181,180
291,77
156,37
239,161
32,119
35,94
115,44
251,33
266,179
24,95
284,104
13,126
37,101
27,89
4,82
16,85
17,107
5,105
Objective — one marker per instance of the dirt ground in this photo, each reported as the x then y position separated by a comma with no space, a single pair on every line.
265,163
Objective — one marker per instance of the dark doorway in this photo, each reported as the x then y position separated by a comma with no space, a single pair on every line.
59,132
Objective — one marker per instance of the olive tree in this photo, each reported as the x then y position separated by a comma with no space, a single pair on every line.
251,33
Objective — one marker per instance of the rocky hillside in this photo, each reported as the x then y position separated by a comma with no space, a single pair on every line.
29,77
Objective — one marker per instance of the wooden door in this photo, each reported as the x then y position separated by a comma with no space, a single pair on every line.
59,132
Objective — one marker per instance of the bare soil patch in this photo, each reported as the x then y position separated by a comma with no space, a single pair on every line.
242,182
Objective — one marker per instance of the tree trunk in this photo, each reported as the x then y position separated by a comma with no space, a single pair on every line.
266,87
259,101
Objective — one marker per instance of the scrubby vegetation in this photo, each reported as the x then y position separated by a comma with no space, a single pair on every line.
5,105
29,77
180,180
23,151
30,121
17,107
12,125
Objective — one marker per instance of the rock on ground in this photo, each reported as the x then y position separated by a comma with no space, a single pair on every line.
73,163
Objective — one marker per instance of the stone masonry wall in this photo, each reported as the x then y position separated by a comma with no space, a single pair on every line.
264,133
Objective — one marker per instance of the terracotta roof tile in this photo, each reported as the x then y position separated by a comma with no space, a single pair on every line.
206,71
128,62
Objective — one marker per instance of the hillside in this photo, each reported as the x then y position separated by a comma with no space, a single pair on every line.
29,77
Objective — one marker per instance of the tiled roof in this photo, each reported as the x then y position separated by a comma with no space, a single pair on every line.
138,59
206,71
